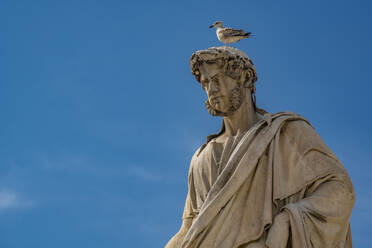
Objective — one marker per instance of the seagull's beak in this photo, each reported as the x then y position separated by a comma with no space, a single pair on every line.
211,26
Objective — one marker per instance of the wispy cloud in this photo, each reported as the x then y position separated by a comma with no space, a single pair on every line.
78,164
70,163
7,199
10,199
144,174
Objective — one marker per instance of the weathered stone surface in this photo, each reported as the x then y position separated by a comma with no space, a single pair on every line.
265,180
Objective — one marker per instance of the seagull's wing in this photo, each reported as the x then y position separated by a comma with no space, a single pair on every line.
233,32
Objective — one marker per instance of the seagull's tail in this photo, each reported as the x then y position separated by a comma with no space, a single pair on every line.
249,34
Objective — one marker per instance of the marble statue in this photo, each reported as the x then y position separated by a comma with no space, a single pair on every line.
265,180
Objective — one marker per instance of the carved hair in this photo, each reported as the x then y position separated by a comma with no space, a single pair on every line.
235,64
233,61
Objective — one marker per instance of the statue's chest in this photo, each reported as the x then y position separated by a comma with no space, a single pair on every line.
212,161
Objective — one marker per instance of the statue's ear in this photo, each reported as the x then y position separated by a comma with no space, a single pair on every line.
247,77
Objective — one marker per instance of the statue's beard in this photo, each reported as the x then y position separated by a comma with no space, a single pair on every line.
236,100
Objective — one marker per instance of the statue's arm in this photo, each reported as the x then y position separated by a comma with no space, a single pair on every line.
317,215
176,240
323,215
279,232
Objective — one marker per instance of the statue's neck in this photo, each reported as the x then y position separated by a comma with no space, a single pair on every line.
242,119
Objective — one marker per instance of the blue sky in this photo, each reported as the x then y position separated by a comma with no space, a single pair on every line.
100,114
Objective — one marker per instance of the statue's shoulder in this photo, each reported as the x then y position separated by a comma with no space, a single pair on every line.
300,134
196,154
287,119
296,124
202,147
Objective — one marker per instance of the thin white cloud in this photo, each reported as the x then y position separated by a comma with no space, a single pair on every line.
71,163
84,165
7,199
10,199
144,174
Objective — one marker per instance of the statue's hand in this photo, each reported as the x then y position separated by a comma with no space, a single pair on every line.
279,232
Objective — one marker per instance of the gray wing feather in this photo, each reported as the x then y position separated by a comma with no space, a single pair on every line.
233,32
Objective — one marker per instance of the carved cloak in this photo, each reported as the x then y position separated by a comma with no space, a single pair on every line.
280,164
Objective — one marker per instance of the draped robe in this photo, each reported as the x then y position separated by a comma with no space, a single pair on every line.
236,189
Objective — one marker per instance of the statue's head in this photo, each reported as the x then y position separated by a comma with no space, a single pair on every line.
227,75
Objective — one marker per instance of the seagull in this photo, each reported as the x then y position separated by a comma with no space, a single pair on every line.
229,35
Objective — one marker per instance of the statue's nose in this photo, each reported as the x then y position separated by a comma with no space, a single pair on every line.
212,88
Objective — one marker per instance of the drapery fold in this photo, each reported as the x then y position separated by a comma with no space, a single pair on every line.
278,165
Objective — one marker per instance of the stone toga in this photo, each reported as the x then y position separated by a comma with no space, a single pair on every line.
236,188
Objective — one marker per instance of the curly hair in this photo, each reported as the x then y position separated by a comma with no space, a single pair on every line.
234,62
